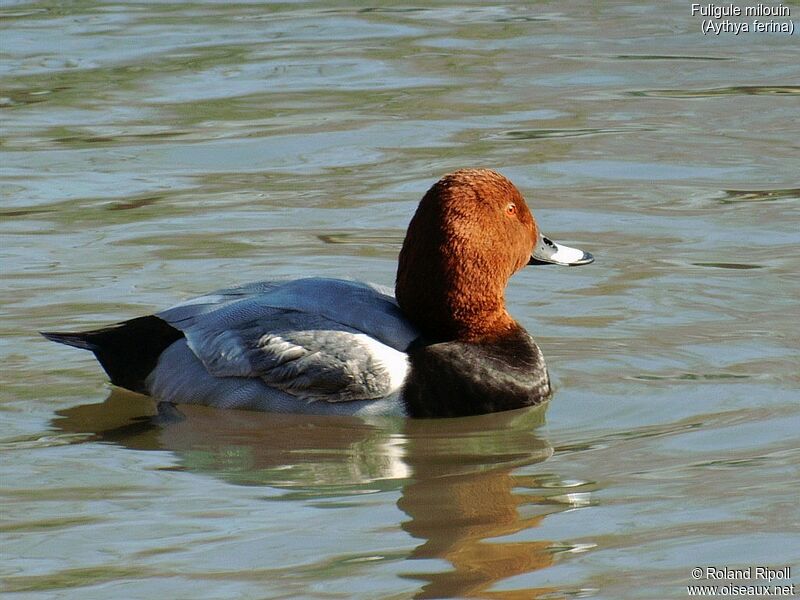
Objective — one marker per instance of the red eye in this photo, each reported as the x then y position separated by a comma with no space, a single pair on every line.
511,209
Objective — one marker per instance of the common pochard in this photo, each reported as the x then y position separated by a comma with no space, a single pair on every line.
443,345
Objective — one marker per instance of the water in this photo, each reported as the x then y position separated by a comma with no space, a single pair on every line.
155,151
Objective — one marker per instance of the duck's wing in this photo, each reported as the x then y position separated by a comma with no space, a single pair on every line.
313,338
365,307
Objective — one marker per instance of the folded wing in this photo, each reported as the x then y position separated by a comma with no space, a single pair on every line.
316,339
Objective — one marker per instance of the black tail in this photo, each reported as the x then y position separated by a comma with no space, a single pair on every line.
127,351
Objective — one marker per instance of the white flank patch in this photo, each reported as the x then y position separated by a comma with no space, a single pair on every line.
394,361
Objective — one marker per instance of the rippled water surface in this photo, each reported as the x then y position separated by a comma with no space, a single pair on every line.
153,151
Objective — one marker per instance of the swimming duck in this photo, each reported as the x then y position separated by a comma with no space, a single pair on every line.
443,345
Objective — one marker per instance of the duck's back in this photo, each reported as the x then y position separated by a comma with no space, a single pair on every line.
365,307
307,345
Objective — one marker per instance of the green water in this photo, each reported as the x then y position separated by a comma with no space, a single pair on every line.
154,151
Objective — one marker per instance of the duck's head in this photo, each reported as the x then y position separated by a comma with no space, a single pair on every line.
472,231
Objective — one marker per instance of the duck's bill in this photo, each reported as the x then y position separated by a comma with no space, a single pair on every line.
548,252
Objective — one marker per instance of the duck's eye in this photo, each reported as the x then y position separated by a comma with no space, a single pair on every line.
511,208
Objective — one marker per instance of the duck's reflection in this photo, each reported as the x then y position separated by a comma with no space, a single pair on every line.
458,478
313,455
464,495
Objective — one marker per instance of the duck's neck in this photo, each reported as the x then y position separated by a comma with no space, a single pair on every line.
452,301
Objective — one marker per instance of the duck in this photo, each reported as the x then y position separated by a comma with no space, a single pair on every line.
442,345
